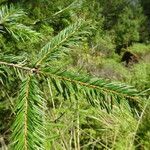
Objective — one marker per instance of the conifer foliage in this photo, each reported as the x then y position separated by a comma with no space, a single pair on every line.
28,127
28,130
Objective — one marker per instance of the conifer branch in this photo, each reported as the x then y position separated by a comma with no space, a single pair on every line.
28,127
19,66
118,89
67,76
60,44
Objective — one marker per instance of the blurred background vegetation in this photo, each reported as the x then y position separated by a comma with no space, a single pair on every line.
118,49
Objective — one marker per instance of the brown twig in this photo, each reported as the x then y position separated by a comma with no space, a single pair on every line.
32,70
